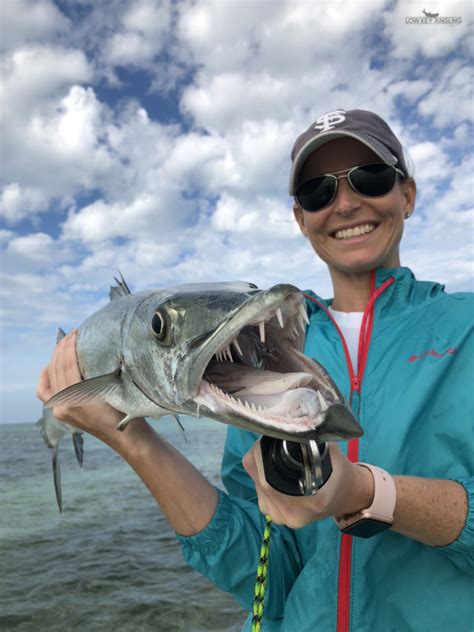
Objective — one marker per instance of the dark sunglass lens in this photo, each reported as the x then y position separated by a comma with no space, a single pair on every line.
374,179
316,193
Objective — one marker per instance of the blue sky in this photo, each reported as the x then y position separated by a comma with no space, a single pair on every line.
154,137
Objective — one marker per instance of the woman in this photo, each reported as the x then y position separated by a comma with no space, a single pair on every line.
405,375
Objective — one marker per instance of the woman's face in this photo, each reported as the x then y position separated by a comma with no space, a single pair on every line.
342,251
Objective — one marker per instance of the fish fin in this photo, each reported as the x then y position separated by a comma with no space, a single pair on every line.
178,420
78,443
119,290
123,423
60,334
339,424
87,391
57,479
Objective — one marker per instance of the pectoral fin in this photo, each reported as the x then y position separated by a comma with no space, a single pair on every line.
88,391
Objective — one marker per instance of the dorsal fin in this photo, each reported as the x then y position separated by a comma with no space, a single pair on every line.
60,334
119,290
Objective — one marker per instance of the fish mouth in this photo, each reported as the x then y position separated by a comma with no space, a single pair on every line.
253,373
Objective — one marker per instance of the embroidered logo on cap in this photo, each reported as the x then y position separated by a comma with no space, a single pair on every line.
330,120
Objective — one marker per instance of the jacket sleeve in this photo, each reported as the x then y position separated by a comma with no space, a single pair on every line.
461,551
228,548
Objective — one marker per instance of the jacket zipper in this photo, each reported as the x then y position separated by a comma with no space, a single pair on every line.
345,553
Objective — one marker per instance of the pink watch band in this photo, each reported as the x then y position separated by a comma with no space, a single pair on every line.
383,504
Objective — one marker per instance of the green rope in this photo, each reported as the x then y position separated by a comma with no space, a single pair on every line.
261,581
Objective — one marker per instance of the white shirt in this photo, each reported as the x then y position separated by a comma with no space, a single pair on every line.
349,323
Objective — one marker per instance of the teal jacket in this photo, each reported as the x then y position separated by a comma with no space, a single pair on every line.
415,404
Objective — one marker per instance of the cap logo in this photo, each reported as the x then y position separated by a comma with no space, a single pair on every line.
330,120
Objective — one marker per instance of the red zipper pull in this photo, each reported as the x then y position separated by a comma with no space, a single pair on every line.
355,383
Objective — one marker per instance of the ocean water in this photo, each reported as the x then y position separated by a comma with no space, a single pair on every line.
110,562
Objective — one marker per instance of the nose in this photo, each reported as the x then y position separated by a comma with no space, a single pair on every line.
346,201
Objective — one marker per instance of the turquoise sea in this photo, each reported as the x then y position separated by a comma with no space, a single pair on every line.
110,562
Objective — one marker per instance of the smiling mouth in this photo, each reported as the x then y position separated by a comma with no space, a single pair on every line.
259,379
355,231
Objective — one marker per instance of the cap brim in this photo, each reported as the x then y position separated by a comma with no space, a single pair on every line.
314,143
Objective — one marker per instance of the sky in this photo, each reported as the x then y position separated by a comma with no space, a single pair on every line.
154,137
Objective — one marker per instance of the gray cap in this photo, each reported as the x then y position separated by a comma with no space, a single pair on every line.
364,126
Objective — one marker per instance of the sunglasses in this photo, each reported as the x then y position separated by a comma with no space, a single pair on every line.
371,180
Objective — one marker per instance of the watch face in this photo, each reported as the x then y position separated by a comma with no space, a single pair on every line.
366,528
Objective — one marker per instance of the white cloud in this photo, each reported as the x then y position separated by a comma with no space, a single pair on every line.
143,34
29,20
37,246
17,203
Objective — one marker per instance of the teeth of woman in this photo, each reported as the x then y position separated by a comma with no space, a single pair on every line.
279,315
261,326
235,342
304,314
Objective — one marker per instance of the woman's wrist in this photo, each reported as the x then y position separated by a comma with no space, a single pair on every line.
361,492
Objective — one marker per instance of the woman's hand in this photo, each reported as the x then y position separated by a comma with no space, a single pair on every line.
348,489
63,370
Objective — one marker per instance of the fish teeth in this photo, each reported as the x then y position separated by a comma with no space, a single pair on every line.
304,314
261,326
235,342
301,323
279,315
229,354
324,406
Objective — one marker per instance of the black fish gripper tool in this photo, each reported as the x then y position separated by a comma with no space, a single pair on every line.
295,469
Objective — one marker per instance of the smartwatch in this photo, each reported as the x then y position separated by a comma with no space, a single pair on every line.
379,516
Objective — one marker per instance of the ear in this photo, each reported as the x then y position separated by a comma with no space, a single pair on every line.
408,188
299,216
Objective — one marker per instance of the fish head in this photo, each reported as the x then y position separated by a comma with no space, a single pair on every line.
233,352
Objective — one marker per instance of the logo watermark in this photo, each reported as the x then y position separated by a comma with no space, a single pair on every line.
434,18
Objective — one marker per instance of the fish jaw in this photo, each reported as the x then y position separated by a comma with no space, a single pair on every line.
241,385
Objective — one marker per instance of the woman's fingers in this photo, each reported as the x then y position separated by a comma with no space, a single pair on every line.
43,390
64,368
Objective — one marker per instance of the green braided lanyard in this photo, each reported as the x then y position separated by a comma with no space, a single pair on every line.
261,581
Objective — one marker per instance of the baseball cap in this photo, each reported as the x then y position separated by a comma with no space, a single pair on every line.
366,127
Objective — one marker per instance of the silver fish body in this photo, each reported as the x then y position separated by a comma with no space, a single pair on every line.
227,351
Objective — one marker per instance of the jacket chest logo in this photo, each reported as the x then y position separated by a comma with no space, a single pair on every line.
433,353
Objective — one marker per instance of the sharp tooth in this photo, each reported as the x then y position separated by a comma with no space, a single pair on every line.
324,406
279,315
219,357
235,342
304,314
261,326
253,407
301,323
229,354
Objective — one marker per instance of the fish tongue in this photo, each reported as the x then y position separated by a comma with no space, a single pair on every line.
270,383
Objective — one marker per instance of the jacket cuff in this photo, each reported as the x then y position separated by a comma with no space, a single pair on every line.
463,546
212,537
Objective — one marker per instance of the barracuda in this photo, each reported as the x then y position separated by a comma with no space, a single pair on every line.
228,351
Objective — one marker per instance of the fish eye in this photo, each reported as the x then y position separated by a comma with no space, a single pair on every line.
158,325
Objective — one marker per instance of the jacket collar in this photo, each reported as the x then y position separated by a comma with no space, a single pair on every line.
406,292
